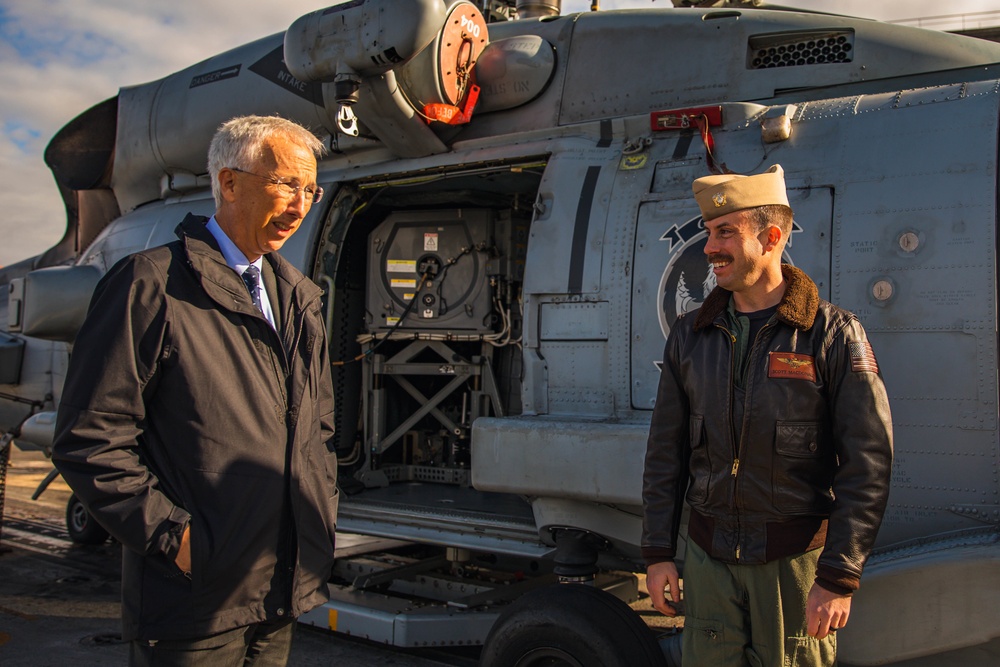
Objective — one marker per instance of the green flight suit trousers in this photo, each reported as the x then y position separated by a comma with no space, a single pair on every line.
750,615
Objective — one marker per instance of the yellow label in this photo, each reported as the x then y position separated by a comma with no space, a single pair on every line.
391,321
633,161
408,296
403,283
401,266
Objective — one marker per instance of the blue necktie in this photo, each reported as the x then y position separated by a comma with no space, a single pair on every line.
251,278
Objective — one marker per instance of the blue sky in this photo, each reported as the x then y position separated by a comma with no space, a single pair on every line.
60,57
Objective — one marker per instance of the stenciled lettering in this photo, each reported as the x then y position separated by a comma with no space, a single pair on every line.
291,81
471,26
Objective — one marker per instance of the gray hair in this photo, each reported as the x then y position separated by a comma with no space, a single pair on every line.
239,143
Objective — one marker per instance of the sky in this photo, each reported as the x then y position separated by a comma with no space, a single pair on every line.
60,57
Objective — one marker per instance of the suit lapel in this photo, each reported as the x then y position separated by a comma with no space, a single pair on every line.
271,285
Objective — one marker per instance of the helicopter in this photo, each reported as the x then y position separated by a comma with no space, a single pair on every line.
509,237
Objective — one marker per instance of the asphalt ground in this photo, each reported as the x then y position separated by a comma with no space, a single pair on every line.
60,602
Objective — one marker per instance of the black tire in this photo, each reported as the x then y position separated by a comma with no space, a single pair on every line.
81,526
572,626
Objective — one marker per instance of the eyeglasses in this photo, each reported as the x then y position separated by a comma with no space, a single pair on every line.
313,194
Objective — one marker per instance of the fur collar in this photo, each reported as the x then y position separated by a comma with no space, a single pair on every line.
797,308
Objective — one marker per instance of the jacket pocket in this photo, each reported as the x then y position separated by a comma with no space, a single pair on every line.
198,542
797,439
803,468
700,466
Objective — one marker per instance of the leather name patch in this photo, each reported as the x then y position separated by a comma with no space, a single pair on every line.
791,366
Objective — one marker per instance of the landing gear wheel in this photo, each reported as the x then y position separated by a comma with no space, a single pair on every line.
81,526
569,625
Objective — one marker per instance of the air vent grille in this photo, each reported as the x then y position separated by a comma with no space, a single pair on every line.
800,48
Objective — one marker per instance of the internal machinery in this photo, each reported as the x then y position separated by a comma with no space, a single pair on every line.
427,319
442,300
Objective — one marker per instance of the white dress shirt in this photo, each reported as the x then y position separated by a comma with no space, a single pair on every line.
239,263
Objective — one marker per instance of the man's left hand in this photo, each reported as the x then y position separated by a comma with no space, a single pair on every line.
826,611
183,558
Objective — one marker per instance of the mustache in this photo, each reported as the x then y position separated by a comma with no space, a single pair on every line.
719,257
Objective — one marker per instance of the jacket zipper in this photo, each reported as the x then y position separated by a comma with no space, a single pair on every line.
732,367
739,443
735,442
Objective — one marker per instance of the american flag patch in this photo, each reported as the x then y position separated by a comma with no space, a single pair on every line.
862,357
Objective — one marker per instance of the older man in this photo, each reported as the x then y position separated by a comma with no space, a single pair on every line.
772,420
196,418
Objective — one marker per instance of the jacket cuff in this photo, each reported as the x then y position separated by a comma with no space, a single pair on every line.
654,555
169,540
837,581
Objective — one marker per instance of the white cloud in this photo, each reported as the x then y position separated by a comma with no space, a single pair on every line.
61,57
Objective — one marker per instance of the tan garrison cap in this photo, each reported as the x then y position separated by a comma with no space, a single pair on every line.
725,193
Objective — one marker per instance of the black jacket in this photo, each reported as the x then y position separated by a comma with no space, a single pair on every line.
815,440
182,405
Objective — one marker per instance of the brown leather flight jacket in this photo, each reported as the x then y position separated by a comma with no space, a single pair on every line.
815,441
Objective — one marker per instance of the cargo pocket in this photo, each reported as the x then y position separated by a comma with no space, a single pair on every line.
704,642
811,652
701,464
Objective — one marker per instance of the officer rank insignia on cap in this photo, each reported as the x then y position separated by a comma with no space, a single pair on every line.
721,194
862,358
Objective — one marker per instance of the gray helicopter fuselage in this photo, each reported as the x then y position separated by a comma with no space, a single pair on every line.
513,402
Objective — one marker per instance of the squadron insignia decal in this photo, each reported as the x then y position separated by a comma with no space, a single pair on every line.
683,301
687,278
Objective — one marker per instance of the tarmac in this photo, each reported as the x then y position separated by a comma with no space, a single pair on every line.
60,602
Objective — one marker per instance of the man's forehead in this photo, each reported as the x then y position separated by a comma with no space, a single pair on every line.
734,219
279,151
